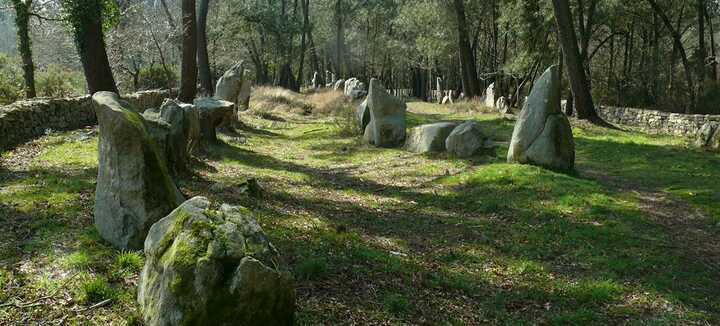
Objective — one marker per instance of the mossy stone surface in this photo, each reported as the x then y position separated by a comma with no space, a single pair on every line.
208,266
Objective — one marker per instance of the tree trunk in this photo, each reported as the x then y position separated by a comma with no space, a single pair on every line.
677,40
339,38
470,79
22,21
206,83
573,62
305,4
188,72
702,50
86,18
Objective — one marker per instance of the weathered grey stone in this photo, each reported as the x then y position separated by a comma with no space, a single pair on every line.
229,84
134,188
448,99
213,267
429,138
339,84
212,113
192,128
465,140
489,98
363,114
502,105
439,90
387,116
355,89
243,99
542,133
169,128
315,81
708,137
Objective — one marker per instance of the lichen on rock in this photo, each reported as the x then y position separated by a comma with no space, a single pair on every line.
208,266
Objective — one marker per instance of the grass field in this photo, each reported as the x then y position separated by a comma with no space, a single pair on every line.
383,236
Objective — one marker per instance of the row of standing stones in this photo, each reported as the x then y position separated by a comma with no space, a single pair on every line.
542,134
206,263
211,264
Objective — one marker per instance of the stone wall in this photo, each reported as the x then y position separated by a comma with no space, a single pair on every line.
657,122
25,120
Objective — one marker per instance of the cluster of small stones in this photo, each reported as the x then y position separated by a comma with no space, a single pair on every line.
25,120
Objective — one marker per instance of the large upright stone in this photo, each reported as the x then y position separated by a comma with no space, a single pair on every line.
489,98
213,114
134,188
429,138
542,133
315,81
387,117
213,267
708,137
363,113
339,84
234,87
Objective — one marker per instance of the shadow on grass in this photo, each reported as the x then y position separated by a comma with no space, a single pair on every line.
579,229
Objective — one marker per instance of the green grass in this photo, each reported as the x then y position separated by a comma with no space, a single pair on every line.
382,236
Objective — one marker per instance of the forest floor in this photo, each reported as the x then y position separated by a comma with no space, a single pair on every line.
383,236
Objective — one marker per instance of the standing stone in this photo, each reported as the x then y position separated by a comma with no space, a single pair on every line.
315,81
363,113
490,96
465,140
134,188
213,113
708,137
502,105
228,86
387,117
213,267
542,134
448,99
192,128
340,83
439,90
243,99
429,138
169,128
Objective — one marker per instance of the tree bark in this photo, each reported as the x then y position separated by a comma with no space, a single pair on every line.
305,4
677,40
206,83
86,17
22,21
188,72
471,83
578,80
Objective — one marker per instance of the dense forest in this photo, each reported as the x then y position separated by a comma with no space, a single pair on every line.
652,54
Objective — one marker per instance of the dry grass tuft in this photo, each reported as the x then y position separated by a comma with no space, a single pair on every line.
274,100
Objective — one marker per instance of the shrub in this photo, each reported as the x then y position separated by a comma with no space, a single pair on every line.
129,261
156,77
11,83
54,81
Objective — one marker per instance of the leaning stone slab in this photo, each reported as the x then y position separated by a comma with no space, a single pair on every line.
213,113
542,133
363,113
134,188
208,266
465,140
387,117
429,138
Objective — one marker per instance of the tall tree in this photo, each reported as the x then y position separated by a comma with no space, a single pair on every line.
86,19
22,22
188,72
573,61
206,84
471,83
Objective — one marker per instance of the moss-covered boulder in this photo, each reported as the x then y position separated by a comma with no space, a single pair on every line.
134,187
207,266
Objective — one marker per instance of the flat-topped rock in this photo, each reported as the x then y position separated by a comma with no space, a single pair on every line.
134,187
429,138
212,113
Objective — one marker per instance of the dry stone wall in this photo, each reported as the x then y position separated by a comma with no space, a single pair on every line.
657,122
25,120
